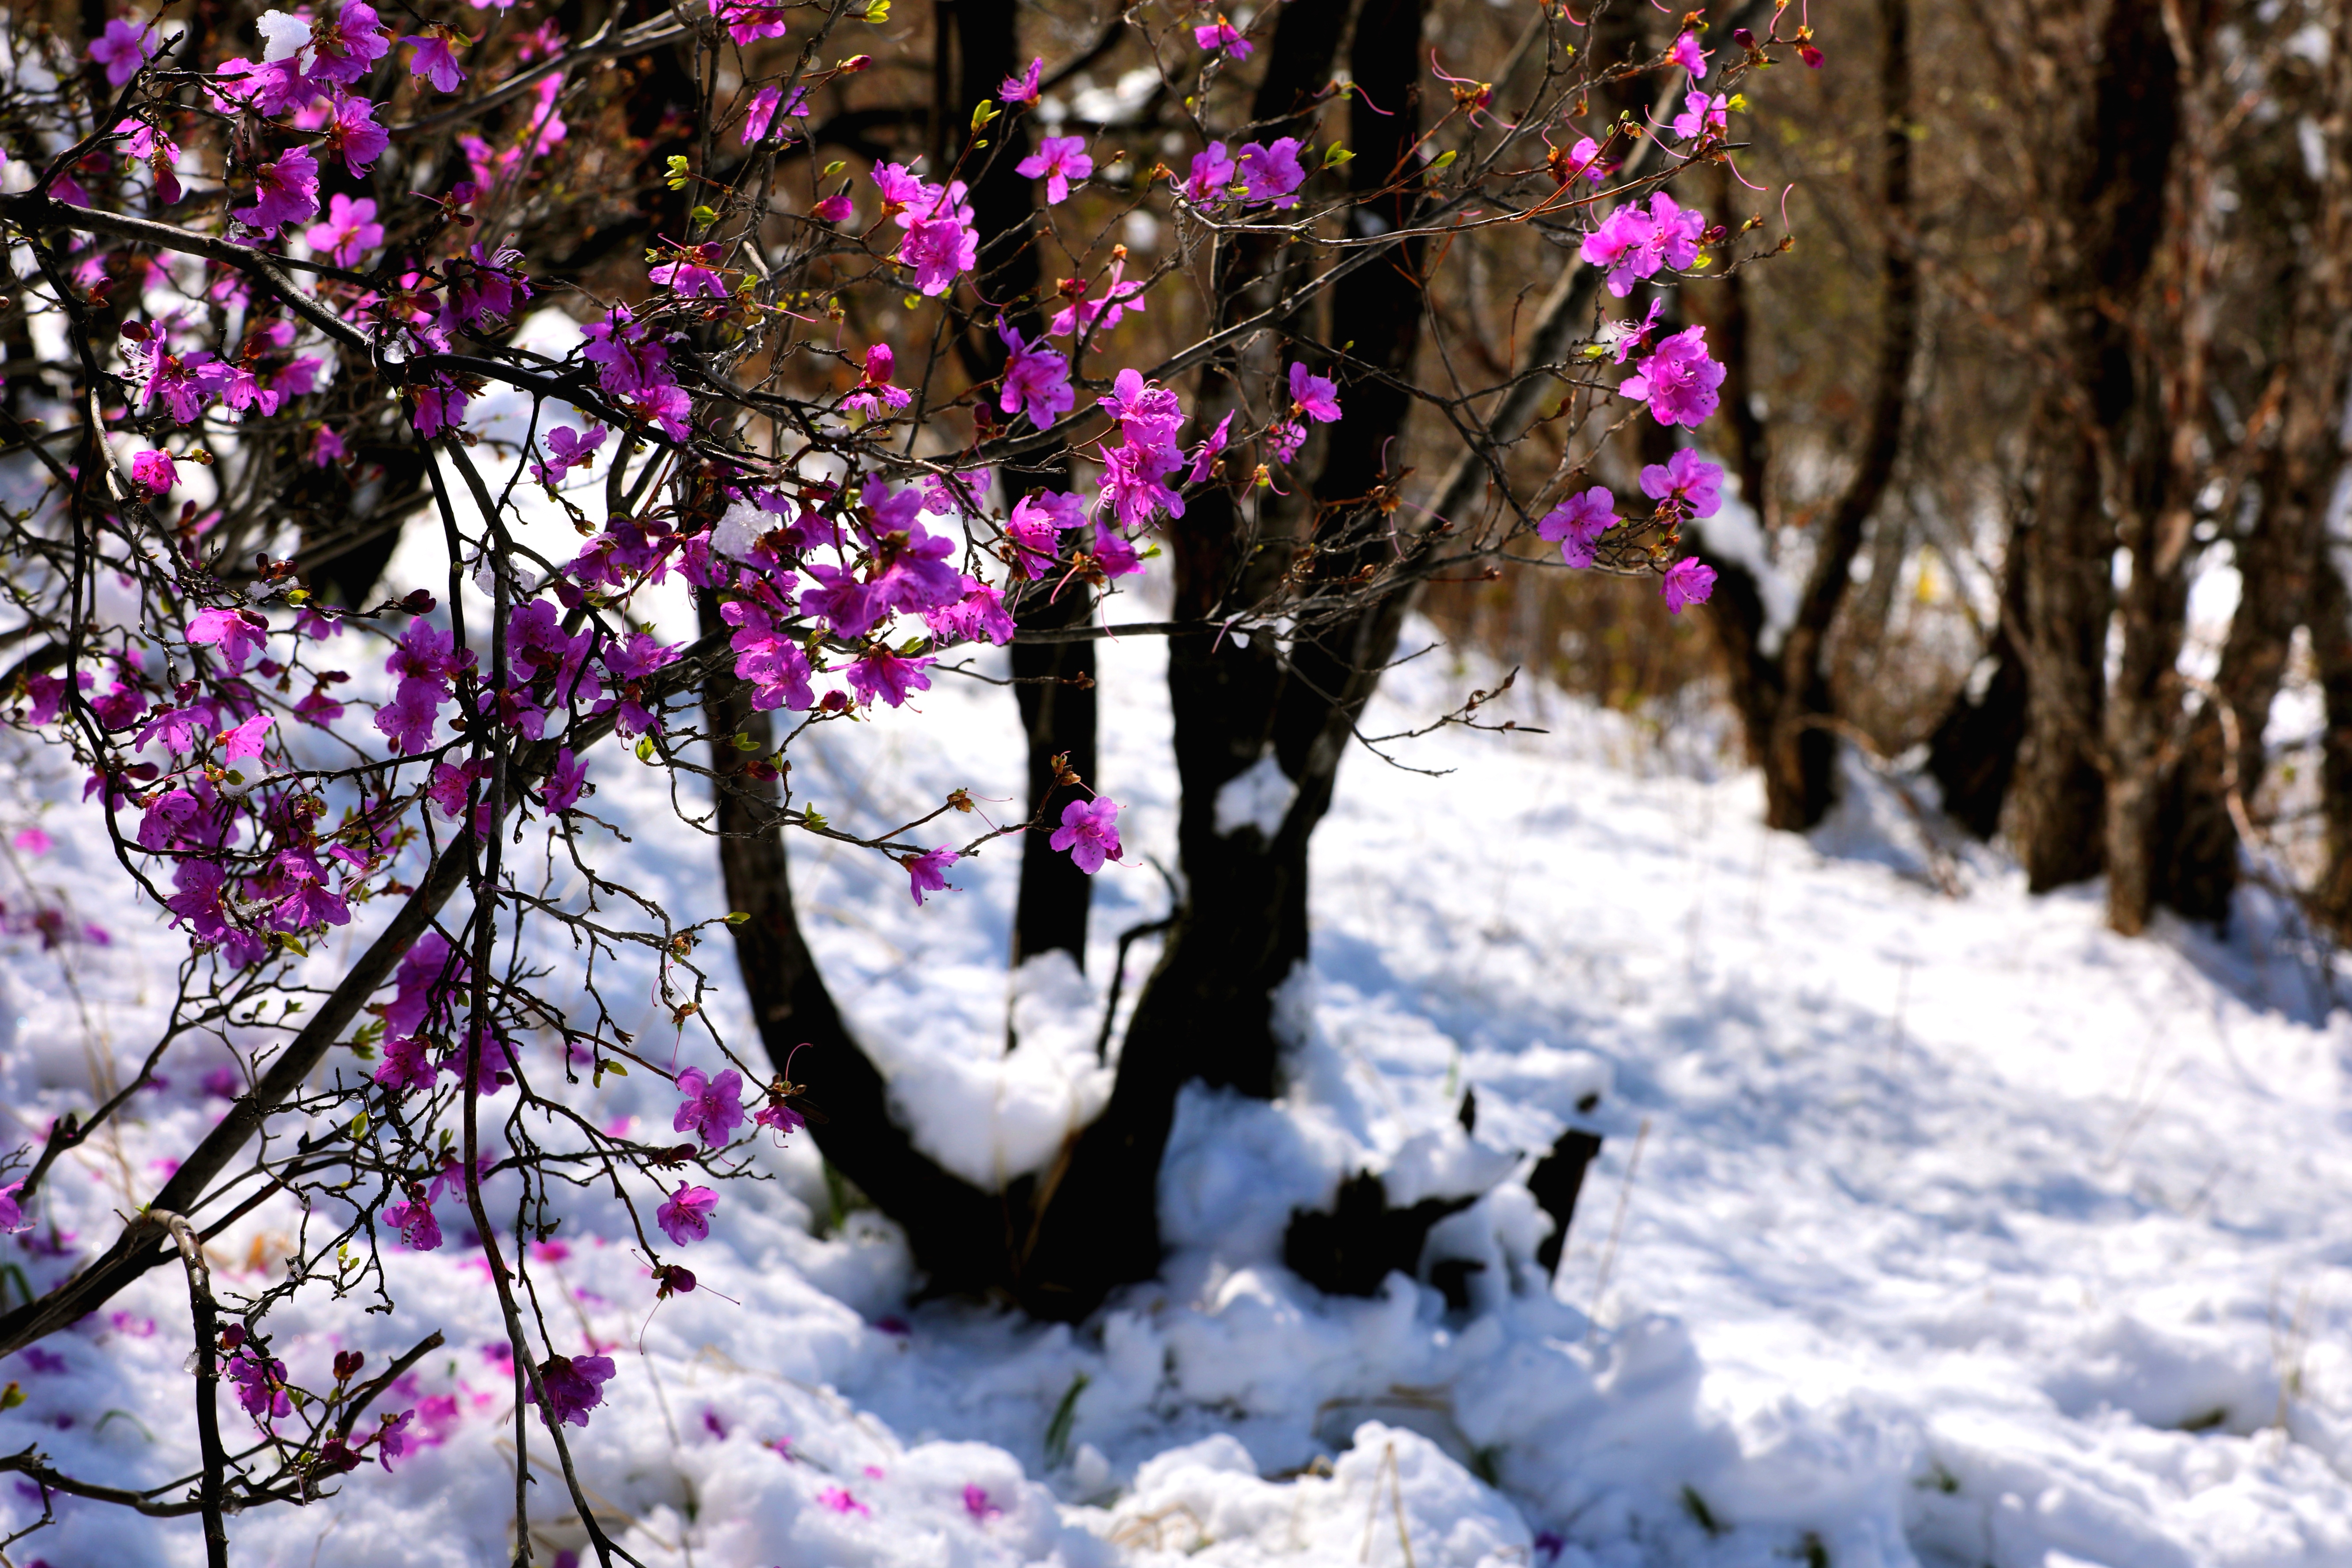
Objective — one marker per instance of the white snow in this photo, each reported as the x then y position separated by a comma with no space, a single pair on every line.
1963,1231
1258,797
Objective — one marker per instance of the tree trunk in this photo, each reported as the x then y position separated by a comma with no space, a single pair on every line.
1059,715
2106,230
2285,579
2331,647
1972,756
956,1231
1799,753
1241,925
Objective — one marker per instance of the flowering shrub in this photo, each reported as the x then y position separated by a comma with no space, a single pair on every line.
289,260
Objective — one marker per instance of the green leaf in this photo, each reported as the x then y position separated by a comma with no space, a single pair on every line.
644,748
982,113
738,917
1334,155
677,175
1065,1414
1440,160
703,216
878,12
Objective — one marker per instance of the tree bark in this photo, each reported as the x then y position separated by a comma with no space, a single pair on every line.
956,1232
1059,715
1240,927
2285,577
2106,226
1801,752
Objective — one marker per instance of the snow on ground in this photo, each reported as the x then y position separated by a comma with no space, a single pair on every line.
1929,1228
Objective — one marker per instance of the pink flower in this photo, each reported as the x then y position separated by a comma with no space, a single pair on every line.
1211,173
1083,316
878,672
1621,246
285,190
1284,439
247,739
1674,231
1037,379
1315,395
419,1231
1690,56
567,449
440,405
356,135
780,1119
927,872
1089,831
1205,456
747,23
839,1499
976,1503
326,447
1578,523
1702,113
434,60
836,208
1270,174
940,250
978,616
122,48
1689,485
574,1385
344,50
154,468
260,1387
1678,382
1584,159
566,781
712,1107
308,901
1687,582
686,1215
237,633
32,841
873,390
694,273
1221,38
406,1067
1022,89
1063,161
348,233
1036,526
761,112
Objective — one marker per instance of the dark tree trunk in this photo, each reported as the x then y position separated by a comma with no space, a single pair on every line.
2331,647
2107,232
2281,557
1801,755
1781,688
956,1231
1972,756
1056,697
1241,925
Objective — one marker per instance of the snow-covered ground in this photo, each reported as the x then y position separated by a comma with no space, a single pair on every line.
1931,1227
